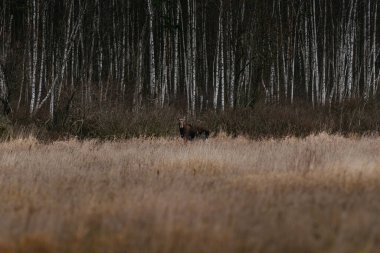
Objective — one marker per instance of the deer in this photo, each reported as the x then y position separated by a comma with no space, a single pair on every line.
189,132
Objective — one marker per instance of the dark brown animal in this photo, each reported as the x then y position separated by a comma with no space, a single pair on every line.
189,132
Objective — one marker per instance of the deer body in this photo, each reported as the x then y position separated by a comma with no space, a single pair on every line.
189,132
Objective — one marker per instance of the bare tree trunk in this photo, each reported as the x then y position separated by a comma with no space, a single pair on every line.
306,57
205,58
137,98
58,75
193,54
123,56
324,60
222,72
315,55
219,52
100,58
34,53
152,66
375,74
176,54
351,40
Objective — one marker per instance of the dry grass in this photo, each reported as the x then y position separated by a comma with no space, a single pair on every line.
319,194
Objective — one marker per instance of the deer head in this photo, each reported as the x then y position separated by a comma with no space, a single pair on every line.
181,122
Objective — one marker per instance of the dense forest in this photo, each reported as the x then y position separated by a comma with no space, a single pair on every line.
198,55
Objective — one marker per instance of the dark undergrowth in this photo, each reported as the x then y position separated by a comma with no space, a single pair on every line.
260,121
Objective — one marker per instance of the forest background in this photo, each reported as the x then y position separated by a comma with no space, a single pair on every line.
123,68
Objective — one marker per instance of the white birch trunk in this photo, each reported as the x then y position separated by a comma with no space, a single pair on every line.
232,62
374,54
285,68
194,55
367,53
269,97
342,66
176,54
324,60
293,67
307,58
100,60
164,67
123,56
139,82
34,55
57,75
152,65
205,55
351,35
43,54
315,55
232,81
222,72
217,58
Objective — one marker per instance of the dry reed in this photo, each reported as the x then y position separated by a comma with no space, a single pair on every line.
318,194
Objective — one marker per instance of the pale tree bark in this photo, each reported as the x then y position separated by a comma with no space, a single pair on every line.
351,27
152,65
100,57
269,96
114,51
58,75
222,72
217,65
375,72
123,56
232,56
324,57
328,53
176,53
137,98
371,74
90,76
278,68
193,54
164,65
293,69
294,54
341,66
34,52
367,54
315,72
306,57
205,57
43,56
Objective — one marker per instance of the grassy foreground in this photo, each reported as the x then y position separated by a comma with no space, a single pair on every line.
318,194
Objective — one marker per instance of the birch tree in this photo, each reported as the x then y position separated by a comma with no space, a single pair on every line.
152,65
190,54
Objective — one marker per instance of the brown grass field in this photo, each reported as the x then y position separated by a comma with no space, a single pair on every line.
318,194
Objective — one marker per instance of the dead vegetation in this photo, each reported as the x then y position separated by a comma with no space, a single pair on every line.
318,194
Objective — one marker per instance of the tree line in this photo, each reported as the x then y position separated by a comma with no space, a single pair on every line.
196,54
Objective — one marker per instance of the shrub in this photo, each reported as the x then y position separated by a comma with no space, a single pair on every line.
6,129
260,121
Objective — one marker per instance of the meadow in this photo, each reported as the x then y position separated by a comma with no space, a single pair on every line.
314,194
